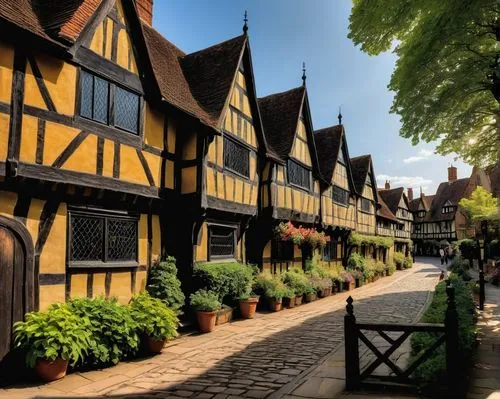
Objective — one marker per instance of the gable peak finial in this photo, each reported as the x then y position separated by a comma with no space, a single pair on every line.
245,25
304,77
340,115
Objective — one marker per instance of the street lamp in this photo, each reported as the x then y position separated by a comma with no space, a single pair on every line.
480,255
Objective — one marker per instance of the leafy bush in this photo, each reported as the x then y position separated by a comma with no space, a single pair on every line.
408,262
279,290
460,266
228,280
390,267
433,370
356,261
319,284
370,269
164,284
297,281
205,301
347,277
380,267
112,328
57,333
262,282
335,273
468,248
399,259
153,317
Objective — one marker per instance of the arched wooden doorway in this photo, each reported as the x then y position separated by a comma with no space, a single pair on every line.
18,283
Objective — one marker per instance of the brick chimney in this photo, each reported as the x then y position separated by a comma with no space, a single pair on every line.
387,185
452,173
145,10
410,194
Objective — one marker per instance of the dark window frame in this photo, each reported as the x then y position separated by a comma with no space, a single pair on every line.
105,261
211,234
240,146
111,122
344,192
280,248
302,168
362,207
330,251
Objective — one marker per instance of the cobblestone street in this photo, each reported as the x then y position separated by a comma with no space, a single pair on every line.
250,358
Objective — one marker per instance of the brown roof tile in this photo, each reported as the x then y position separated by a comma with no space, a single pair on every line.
360,167
384,211
280,114
328,143
391,197
447,191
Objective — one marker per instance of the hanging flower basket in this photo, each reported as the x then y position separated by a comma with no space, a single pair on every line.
301,235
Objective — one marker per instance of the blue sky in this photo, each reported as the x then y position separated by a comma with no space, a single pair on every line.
283,34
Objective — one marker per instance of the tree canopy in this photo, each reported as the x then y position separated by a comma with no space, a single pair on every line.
481,205
447,76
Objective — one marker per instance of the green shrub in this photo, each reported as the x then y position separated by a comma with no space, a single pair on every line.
319,283
468,248
228,280
335,274
164,284
297,281
112,328
408,262
356,261
153,317
262,282
57,333
460,266
380,267
433,370
370,269
205,301
390,267
399,259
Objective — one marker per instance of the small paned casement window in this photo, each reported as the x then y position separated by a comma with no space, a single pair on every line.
96,239
330,251
447,209
340,195
282,250
366,205
107,103
421,214
236,157
221,242
298,175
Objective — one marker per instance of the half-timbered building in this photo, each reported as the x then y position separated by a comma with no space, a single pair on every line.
290,181
387,224
338,196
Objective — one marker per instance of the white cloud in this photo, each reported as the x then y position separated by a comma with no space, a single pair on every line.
405,181
389,161
423,154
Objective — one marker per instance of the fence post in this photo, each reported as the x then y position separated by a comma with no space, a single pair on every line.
452,360
351,348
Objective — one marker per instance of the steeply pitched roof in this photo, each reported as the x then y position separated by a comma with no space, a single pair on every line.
328,143
280,114
384,211
360,167
391,197
447,191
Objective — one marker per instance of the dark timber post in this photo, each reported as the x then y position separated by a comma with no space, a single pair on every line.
351,347
481,275
452,360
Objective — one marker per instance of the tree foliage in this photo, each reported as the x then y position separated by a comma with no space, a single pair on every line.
447,77
481,205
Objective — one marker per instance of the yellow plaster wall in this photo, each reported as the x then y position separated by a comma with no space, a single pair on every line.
57,138
120,287
153,128
169,174
189,149
78,285
154,163
4,135
99,285
8,201
140,281
143,240
53,257
84,159
171,136
108,158
6,68
202,245
188,180
33,218
130,166
50,294
28,139
340,176
156,244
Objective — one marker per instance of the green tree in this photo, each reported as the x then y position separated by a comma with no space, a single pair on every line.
481,205
447,76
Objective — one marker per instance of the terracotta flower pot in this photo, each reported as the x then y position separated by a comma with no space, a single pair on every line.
310,297
274,304
155,345
298,300
248,307
289,302
325,292
51,371
206,321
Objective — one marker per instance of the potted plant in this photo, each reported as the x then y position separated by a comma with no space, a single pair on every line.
206,303
248,305
348,281
289,299
275,293
325,288
310,294
53,339
298,282
156,323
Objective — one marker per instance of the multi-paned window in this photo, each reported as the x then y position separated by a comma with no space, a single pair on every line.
340,195
281,250
236,157
366,205
96,238
107,103
221,242
298,175
448,209
421,214
330,251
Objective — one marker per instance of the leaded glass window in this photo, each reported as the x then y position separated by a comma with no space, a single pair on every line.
282,250
221,242
330,251
366,205
299,175
97,238
95,103
236,157
340,195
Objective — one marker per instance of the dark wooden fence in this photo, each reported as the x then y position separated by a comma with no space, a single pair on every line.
447,334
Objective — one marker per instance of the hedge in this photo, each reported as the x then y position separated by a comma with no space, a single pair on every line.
360,239
433,370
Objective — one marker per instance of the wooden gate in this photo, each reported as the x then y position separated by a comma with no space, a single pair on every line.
354,332
17,278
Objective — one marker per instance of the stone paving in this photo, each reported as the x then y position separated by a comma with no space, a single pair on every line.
262,357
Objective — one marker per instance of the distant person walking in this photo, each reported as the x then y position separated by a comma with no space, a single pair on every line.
441,254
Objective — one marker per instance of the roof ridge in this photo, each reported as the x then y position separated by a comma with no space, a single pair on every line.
163,37
281,93
211,47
